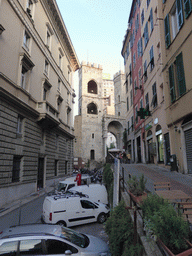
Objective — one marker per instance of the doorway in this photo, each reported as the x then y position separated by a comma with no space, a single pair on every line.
40,174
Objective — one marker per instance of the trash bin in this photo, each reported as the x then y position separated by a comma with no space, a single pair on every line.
173,161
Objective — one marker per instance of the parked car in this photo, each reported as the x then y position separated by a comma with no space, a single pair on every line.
72,210
70,183
95,192
42,239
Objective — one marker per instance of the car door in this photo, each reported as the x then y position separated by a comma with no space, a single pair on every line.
88,211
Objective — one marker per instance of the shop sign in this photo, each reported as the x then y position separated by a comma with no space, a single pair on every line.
148,126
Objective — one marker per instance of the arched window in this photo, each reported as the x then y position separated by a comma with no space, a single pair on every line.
92,109
92,87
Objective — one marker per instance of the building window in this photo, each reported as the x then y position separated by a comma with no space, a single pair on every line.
167,31
128,128
132,126
187,7
177,70
136,115
179,13
44,93
119,98
26,40
59,85
26,66
23,77
151,58
148,2
131,98
154,99
56,167
29,8
151,19
135,86
93,135
142,16
68,114
92,87
46,67
16,168
92,154
147,101
19,126
92,109
145,71
130,74
146,35
134,60
127,104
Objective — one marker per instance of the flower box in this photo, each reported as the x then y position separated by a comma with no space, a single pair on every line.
168,252
138,199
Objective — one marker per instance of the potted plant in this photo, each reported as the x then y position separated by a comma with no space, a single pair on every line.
164,222
137,188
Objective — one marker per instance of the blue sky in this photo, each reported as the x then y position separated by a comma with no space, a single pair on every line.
97,29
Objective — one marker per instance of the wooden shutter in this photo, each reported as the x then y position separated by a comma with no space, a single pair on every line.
172,83
167,31
179,13
151,19
187,7
180,74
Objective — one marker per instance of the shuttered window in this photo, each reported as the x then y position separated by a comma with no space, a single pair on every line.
180,74
187,7
151,19
172,83
167,31
180,13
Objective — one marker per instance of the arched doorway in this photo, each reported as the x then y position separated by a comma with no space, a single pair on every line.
160,148
150,147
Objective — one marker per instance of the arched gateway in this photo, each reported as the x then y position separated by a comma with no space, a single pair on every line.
96,101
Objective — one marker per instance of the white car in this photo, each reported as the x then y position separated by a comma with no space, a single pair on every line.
42,239
72,210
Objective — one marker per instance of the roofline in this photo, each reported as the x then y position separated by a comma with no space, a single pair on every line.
73,55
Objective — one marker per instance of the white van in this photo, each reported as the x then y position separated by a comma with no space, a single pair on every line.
72,210
70,182
96,192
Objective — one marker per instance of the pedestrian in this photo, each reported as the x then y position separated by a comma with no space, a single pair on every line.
78,178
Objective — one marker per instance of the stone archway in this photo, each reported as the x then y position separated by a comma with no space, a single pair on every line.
114,125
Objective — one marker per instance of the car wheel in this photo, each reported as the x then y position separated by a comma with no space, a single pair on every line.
62,223
101,218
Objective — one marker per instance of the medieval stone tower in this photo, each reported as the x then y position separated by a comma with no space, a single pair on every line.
88,144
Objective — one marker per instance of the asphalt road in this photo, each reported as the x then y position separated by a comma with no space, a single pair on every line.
31,213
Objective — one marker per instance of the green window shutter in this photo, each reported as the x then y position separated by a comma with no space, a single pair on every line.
172,83
187,7
180,74
180,13
167,31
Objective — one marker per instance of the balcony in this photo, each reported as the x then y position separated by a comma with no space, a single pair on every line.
49,116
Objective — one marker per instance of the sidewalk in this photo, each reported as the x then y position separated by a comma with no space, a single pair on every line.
18,203
155,173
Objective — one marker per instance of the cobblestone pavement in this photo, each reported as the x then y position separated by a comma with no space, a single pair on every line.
155,173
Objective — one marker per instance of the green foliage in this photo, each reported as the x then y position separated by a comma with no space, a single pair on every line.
132,250
119,228
137,186
125,138
162,219
152,204
108,180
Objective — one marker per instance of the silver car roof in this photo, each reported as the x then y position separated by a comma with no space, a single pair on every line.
34,229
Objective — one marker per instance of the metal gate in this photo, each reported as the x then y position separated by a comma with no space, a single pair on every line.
188,143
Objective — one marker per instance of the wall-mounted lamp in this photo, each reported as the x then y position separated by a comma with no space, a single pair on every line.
1,29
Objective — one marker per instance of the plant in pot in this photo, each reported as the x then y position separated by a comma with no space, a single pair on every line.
137,188
164,221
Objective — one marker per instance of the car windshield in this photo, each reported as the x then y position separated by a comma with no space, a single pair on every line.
74,237
61,186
